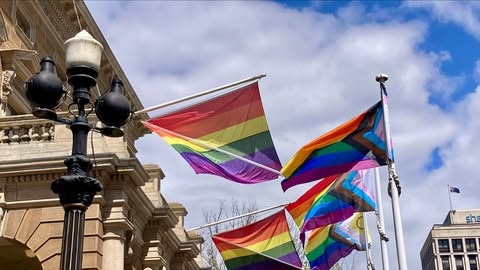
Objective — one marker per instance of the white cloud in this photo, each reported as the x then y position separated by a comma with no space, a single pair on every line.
320,72
464,13
476,71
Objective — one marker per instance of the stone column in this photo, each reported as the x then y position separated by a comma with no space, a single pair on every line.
113,247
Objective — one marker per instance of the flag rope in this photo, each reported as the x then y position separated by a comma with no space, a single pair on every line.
200,143
206,92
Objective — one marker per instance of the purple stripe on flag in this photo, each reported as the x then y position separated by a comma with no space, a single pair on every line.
291,258
323,172
267,264
243,172
333,253
330,218
262,157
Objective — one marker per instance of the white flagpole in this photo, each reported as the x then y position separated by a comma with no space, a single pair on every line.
449,197
368,244
393,182
381,222
236,217
206,92
200,143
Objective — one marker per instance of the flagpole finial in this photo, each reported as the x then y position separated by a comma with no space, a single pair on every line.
381,78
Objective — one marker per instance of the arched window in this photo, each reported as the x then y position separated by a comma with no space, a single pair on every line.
24,24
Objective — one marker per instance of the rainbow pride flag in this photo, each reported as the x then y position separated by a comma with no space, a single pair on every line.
265,244
326,245
351,192
299,208
226,136
357,144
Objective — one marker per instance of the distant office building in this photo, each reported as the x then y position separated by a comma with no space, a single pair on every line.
453,245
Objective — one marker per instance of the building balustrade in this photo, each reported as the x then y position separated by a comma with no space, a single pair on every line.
25,129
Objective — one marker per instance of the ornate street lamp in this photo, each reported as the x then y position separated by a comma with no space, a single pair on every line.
46,92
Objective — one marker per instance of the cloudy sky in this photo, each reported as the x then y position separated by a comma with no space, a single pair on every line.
321,59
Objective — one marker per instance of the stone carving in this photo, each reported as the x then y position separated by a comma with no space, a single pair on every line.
7,88
129,239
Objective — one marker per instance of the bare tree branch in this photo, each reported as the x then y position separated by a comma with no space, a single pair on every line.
209,252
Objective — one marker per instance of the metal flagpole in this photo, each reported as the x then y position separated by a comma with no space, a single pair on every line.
449,197
393,182
206,92
380,221
368,244
232,218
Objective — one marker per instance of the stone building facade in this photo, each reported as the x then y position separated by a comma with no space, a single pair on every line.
130,225
454,244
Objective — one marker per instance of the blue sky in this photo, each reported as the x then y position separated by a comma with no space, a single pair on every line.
442,35
321,59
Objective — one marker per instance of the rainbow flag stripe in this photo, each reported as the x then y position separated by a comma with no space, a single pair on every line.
235,123
265,244
326,245
333,199
357,144
299,208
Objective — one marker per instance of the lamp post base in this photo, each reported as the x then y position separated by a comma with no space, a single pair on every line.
76,192
72,242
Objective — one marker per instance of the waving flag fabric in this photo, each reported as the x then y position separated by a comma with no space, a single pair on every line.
299,208
265,244
235,123
351,192
454,189
334,199
357,144
326,245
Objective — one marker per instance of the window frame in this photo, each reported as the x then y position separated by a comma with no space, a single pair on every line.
446,266
475,258
457,242
441,247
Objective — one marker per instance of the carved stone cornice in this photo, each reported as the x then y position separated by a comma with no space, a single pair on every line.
178,209
32,169
164,218
56,13
186,252
115,168
29,203
46,177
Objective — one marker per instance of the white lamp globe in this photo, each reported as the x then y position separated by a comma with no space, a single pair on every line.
83,50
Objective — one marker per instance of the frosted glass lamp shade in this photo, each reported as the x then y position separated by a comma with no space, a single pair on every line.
83,50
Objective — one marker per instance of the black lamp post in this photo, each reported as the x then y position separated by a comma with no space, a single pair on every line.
45,91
